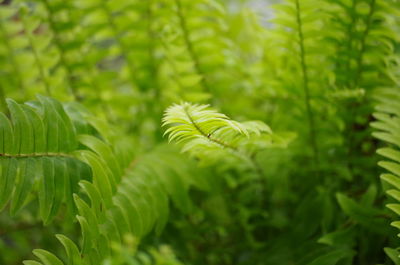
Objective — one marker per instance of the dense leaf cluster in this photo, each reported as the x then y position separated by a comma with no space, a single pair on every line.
278,129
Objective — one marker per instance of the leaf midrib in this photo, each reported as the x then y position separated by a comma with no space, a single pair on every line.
36,155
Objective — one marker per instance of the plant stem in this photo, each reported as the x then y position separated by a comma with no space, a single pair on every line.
122,46
151,35
36,155
353,109
248,158
12,58
36,56
209,136
363,43
63,60
350,37
189,45
303,64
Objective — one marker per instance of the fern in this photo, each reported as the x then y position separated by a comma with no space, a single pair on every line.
160,256
138,205
387,130
297,34
210,135
37,146
41,144
8,57
95,170
189,53
366,35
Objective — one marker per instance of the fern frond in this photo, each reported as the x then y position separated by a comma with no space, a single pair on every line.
191,58
387,126
138,204
37,145
297,37
8,55
206,133
163,255
32,54
360,38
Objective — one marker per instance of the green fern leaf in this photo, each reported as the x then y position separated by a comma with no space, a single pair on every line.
210,135
37,145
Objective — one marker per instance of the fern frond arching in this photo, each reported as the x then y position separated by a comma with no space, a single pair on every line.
139,204
206,133
37,144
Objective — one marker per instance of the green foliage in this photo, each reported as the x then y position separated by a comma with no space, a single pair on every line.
161,256
37,146
388,117
89,88
210,135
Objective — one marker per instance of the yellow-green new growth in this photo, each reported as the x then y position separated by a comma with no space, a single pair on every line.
206,133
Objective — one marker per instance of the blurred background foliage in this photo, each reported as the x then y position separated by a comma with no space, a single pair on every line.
313,70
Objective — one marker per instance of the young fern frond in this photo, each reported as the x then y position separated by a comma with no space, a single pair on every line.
207,134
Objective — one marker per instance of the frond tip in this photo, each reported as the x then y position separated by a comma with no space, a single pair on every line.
204,131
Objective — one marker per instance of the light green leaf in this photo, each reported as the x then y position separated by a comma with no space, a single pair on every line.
47,258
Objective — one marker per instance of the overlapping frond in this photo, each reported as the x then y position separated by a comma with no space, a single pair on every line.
359,39
37,147
387,126
163,255
124,204
191,59
40,144
79,49
310,69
